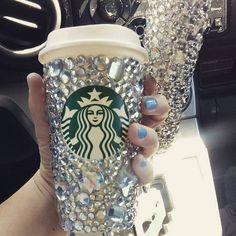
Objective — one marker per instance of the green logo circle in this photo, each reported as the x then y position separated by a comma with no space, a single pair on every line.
94,122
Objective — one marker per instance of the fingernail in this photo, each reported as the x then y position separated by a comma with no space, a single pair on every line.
142,133
150,103
143,163
32,74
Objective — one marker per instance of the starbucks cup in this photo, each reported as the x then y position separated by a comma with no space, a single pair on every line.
94,80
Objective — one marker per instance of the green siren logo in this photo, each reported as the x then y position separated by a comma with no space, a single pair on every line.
95,122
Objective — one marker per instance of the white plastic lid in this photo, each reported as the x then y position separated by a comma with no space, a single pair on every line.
103,39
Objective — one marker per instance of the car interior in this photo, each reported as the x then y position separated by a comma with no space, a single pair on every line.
209,115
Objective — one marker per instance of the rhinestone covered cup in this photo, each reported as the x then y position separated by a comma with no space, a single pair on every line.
173,38
94,80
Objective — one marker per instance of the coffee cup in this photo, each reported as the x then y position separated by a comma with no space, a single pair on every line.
93,78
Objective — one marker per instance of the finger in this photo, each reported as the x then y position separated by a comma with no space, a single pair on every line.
149,85
143,137
37,105
155,110
143,169
37,108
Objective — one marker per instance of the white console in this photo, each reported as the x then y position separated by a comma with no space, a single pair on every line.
185,167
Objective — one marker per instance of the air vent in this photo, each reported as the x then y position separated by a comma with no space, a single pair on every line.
25,24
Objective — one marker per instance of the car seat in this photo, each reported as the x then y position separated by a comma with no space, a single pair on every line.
19,156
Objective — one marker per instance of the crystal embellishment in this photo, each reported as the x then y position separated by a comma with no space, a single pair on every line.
91,181
125,181
83,198
79,225
173,37
116,213
61,193
55,68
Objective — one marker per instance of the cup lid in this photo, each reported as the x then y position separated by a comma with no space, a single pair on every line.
101,39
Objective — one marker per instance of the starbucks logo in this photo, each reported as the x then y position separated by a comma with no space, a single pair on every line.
95,122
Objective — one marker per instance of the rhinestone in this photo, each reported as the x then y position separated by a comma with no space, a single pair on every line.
61,192
87,229
116,213
83,198
71,197
126,180
81,72
99,197
56,82
69,63
55,68
101,62
97,204
100,215
85,209
59,106
61,147
81,83
77,209
74,88
74,80
128,68
72,216
65,76
79,225
106,198
67,208
94,229
68,225
116,69
54,151
45,70
81,60
80,177
96,223
65,90
101,228
89,222
92,197
92,181
91,209
73,205
91,216
114,195
121,200
129,217
82,216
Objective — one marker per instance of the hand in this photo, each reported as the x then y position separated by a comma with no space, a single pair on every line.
154,108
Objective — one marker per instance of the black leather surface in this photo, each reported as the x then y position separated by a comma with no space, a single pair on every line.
19,158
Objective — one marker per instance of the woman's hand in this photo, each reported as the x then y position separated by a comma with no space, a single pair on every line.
153,107
36,199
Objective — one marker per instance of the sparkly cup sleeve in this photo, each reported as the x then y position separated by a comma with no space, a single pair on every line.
173,38
91,101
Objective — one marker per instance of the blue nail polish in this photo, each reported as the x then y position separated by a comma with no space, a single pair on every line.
150,103
143,163
142,133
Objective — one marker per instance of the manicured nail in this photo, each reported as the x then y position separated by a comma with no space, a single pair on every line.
150,103
142,133
143,163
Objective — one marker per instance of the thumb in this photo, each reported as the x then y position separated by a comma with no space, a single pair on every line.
37,108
